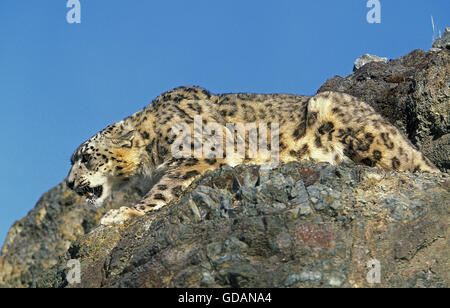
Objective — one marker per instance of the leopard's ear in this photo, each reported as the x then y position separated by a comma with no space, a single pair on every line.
123,139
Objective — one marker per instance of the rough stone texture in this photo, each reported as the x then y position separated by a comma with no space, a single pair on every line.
35,242
300,225
444,41
413,92
364,59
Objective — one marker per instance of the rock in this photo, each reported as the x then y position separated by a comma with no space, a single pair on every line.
444,41
438,151
364,59
36,242
413,93
404,226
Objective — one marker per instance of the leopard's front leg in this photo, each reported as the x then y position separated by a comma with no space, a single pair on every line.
179,175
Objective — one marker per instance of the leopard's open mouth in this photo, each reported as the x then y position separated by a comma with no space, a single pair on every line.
94,193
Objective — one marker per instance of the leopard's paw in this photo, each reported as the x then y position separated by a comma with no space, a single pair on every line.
119,216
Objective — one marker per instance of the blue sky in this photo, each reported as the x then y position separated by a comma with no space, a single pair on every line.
61,83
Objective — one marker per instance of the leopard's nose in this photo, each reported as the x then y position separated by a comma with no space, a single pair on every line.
70,184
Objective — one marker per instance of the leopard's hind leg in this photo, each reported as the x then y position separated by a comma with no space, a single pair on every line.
340,125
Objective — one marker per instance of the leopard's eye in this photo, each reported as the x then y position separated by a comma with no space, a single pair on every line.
85,158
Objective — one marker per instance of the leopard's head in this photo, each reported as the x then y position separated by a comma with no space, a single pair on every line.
105,162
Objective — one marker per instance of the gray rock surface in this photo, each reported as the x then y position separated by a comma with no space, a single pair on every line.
299,225
444,41
364,59
37,241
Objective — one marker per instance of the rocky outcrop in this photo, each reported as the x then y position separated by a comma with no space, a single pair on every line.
365,59
36,242
444,41
298,225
